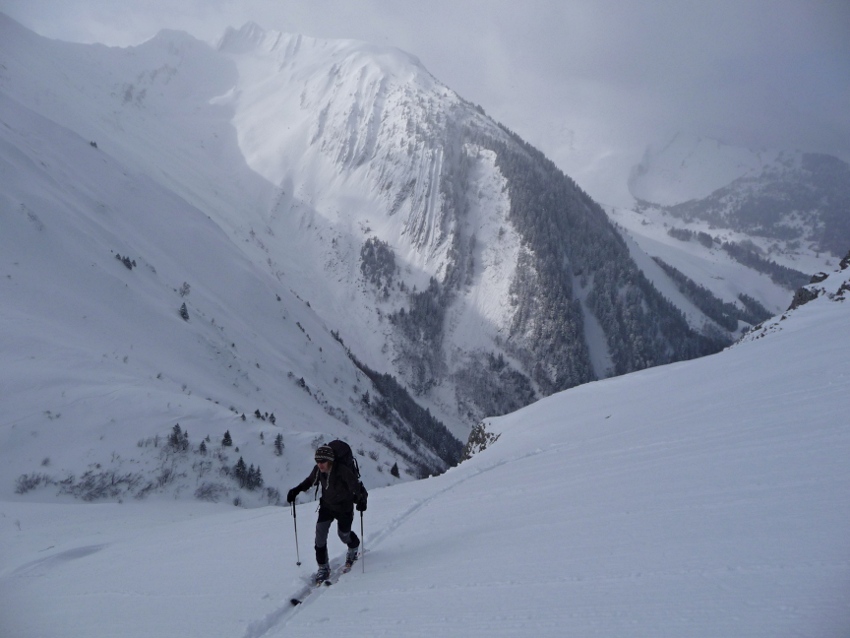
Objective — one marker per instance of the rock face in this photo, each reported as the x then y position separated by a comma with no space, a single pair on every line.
811,292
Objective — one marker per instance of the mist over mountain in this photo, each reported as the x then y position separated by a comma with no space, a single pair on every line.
317,230
735,231
799,201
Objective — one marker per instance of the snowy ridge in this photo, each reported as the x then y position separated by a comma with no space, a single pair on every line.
374,125
309,154
824,288
351,113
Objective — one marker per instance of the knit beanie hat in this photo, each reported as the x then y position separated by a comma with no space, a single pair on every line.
324,453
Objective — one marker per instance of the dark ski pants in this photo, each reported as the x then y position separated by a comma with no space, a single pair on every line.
343,529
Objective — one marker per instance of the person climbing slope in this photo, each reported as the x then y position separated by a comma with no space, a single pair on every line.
341,491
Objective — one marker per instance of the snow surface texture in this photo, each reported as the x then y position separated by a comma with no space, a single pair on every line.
704,498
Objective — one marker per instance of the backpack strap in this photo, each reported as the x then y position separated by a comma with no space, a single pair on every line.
318,482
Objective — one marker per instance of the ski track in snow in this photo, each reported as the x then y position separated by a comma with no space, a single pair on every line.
43,565
309,594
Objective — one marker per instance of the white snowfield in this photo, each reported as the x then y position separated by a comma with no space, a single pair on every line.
707,498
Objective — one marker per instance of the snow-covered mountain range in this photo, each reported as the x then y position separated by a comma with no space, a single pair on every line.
203,237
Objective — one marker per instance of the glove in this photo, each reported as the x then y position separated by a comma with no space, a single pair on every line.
291,494
361,504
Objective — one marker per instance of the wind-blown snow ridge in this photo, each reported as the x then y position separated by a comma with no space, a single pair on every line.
356,101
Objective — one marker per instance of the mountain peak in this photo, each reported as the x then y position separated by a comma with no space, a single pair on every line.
248,38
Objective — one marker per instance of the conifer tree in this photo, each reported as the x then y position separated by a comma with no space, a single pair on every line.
178,440
254,478
240,472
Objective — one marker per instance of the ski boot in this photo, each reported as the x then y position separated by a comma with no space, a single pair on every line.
323,574
350,557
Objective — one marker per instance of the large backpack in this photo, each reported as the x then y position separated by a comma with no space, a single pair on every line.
344,456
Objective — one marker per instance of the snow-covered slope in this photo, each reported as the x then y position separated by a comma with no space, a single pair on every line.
703,498
707,263
357,153
99,254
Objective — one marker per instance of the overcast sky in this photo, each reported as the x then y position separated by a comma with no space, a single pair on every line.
589,82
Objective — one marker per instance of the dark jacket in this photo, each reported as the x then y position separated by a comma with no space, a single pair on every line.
340,488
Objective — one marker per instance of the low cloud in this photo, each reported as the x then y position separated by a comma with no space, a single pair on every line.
589,82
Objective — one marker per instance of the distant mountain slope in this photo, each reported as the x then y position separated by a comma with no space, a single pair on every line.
461,259
735,232
798,200
495,262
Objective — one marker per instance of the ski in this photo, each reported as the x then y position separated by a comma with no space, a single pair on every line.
306,591
302,594
317,584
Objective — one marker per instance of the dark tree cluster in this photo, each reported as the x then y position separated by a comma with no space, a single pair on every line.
178,440
684,234
377,264
420,423
265,416
129,263
781,275
422,325
722,312
496,386
248,477
570,240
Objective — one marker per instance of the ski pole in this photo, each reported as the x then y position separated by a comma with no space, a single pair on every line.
362,544
295,523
